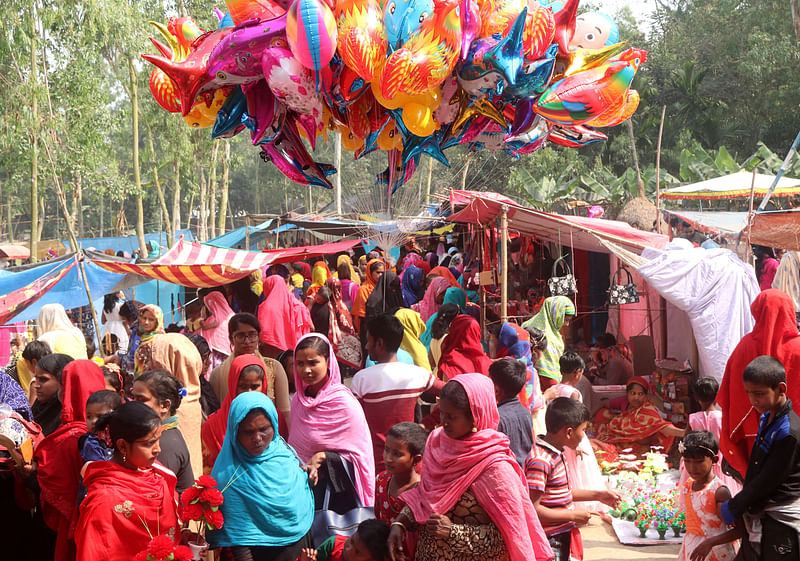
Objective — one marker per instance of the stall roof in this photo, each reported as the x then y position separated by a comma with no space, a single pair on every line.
14,251
714,222
779,229
576,231
733,186
126,243
198,265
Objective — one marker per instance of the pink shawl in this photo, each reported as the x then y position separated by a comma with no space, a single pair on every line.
428,306
284,319
483,463
217,337
333,420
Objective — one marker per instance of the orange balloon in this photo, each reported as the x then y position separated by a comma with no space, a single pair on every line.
350,141
210,111
197,120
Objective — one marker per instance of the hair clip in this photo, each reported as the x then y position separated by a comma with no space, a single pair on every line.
182,392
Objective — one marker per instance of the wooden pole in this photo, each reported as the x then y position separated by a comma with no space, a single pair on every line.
504,265
247,232
337,184
278,234
750,215
658,170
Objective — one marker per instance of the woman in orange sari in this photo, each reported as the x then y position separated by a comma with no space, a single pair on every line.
639,426
375,269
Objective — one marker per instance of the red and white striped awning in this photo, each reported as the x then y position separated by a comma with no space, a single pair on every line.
200,266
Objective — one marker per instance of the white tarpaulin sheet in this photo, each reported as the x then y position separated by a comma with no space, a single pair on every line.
715,288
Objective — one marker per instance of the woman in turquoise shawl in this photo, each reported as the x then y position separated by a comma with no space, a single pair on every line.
453,296
268,505
556,312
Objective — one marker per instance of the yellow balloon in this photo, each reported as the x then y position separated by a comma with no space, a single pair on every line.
388,137
396,102
350,141
419,119
197,120
210,111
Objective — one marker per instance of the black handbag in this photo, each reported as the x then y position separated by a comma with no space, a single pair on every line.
564,285
619,294
328,522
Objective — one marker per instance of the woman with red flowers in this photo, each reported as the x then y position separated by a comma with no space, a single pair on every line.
130,499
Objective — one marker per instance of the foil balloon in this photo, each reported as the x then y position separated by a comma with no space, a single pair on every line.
540,29
594,30
565,25
579,98
243,10
229,117
470,15
497,16
448,107
429,55
403,18
197,119
419,119
533,77
575,137
291,82
311,32
290,156
164,91
261,109
397,172
584,59
350,142
615,116
357,115
361,36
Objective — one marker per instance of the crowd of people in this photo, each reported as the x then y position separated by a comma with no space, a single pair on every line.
315,389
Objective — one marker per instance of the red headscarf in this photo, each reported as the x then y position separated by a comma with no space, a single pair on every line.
445,272
59,460
422,264
774,334
284,319
483,463
122,508
306,271
213,431
462,351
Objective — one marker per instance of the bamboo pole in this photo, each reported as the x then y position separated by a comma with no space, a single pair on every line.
658,170
750,215
504,266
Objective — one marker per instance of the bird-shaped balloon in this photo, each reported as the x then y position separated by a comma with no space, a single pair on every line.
361,39
584,96
429,55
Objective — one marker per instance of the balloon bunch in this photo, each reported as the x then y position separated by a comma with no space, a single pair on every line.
404,76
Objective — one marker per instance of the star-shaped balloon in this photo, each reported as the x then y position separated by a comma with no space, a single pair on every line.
533,77
414,146
469,108
506,56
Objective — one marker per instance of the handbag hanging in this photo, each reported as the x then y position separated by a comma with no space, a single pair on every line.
328,522
561,285
619,294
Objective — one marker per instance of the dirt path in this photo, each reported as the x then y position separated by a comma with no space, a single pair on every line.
601,544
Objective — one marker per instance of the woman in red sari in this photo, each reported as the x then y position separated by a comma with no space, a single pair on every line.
58,459
462,351
639,426
130,498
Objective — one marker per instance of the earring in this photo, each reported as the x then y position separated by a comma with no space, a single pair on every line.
474,429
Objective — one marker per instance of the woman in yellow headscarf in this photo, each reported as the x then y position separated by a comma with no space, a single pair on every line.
319,275
413,328
344,258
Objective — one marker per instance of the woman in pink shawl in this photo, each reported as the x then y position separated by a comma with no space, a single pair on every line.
472,500
326,417
215,327
434,295
284,319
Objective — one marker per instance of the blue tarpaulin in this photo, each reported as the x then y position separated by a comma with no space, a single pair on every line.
128,243
235,239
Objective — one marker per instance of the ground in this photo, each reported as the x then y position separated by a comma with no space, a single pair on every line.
600,544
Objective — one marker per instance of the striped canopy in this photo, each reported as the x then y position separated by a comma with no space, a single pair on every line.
202,266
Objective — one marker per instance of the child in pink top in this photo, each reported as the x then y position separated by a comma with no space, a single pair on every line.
707,536
582,468
709,418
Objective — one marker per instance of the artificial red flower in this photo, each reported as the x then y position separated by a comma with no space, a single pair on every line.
160,547
214,518
182,553
190,494
192,512
211,496
141,556
206,481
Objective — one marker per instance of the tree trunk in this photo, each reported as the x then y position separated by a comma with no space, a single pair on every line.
639,182
223,200
160,191
40,227
796,18
189,212
34,142
9,214
102,214
176,199
137,179
213,192
202,224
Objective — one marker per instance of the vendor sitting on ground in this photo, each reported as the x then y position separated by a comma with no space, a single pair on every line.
612,362
639,426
